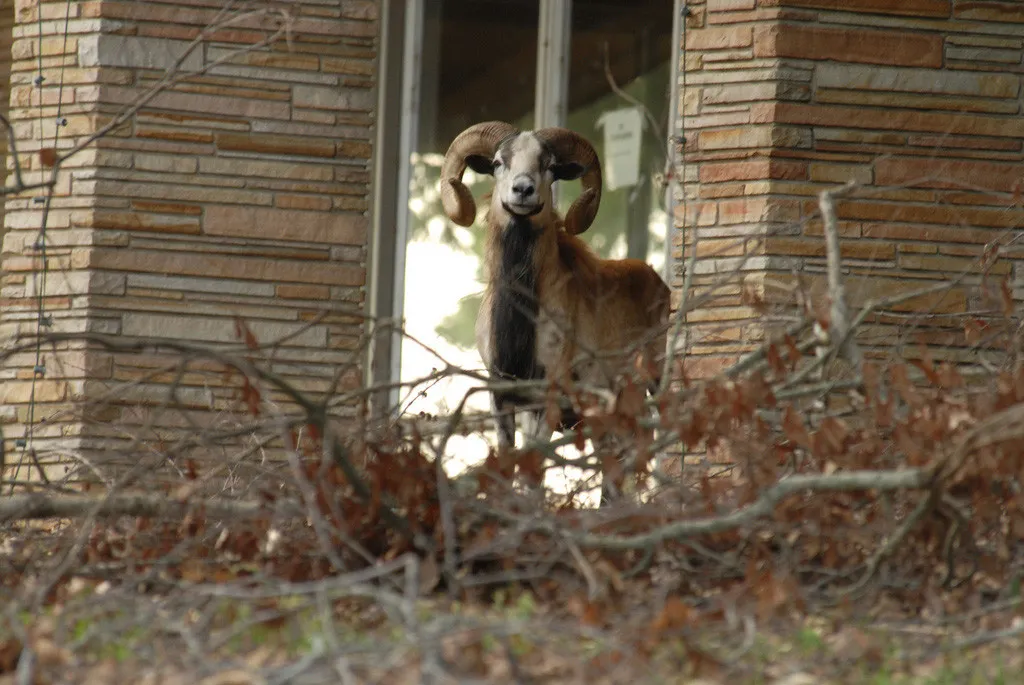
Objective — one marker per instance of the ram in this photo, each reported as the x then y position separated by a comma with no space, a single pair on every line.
552,309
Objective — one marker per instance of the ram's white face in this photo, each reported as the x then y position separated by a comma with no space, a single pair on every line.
523,169
522,174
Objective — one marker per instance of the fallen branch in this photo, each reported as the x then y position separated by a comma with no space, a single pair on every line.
882,481
42,505
1005,425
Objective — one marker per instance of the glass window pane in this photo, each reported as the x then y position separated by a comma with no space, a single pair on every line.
620,58
479,62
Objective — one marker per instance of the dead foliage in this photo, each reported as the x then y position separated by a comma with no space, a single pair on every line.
886,492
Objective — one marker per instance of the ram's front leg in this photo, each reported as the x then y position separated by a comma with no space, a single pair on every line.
537,431
551,415
505,421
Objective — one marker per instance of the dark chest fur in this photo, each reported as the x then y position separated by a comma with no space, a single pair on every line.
514,318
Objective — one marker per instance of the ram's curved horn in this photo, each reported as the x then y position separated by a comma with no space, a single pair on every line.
570,146
480,139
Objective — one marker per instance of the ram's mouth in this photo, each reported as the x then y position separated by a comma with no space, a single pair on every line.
523,209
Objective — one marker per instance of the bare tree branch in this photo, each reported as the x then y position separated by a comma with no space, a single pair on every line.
314,411
839,319
172,76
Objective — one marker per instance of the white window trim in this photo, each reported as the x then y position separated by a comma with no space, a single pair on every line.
553,48
672,130
400,50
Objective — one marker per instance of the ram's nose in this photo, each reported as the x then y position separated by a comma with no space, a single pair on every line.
523,189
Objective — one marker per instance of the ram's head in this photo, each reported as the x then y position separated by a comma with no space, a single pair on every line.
524,165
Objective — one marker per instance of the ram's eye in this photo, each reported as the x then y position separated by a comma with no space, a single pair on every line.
497,164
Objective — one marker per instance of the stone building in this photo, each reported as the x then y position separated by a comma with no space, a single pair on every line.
274,187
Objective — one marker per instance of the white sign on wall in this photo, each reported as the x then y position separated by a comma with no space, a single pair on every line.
622,135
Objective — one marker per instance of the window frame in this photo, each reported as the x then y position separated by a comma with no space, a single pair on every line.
399,50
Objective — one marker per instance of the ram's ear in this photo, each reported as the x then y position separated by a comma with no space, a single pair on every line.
480,164
567,172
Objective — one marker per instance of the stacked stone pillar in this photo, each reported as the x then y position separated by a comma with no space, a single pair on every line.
916,101
241,193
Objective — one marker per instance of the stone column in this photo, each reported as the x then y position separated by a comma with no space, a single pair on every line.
917,101
41,387
239,193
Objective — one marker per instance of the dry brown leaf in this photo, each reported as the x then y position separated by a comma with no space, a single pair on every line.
48,157
1006,296
235,676
852,644
48,653
675,614
830,436
193,570
10,650
158,677
794,428
552,408
531,466
774,360
589,613
466,653
901,381
703,664
630,401
103,673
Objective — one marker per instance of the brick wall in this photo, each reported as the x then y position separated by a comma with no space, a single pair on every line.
242,192
916,100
